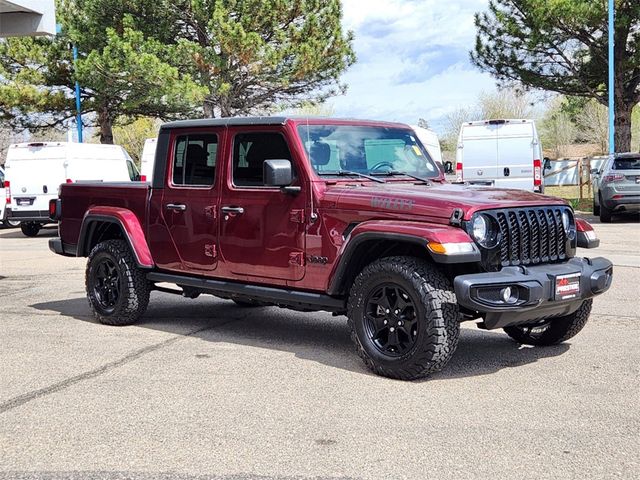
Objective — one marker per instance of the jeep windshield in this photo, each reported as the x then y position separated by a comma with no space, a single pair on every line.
334,150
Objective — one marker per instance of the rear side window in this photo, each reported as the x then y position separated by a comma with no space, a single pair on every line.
632,163
194,159
250,150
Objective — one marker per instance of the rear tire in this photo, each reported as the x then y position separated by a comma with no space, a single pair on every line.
404,318
554,330
117,289
30,229
605,213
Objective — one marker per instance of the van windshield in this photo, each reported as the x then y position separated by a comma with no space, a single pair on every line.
368,150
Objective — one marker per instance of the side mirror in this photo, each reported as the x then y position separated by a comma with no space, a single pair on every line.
1,183
278,173
594,171
448,167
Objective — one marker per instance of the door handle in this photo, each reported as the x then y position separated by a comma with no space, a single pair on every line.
180,207
507,172
236,210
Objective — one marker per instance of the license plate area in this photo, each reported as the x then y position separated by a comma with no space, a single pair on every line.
567,286
24,202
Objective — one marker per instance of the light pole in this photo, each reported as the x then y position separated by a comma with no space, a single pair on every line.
612,113
77,89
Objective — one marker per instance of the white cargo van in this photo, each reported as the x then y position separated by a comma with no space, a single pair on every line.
3,204
429,139
147,160
500,153
34,171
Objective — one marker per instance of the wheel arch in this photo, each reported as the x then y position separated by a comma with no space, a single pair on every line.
369,241
108,223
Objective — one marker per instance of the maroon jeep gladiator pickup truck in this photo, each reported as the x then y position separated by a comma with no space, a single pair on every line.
347,216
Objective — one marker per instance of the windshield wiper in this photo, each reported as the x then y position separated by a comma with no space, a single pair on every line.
415,177
345,173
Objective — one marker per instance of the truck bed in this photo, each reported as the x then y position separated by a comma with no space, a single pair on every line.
78,198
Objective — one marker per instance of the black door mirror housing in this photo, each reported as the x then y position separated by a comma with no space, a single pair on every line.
277,173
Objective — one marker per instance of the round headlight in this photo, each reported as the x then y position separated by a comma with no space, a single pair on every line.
480,229
484,231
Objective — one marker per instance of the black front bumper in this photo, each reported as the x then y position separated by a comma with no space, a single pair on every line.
481,292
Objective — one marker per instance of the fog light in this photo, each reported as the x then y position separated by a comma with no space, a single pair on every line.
509,295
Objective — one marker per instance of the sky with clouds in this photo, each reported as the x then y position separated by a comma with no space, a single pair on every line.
413,60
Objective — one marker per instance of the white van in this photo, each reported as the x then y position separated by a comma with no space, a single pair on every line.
3,204
429,139
147,160
34,171
500,153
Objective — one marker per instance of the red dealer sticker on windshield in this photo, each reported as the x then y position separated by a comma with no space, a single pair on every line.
567,286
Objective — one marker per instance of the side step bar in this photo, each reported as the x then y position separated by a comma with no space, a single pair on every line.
295,299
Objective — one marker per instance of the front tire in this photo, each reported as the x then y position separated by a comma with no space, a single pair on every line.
404,318
596,207
554,330
30,229
117,289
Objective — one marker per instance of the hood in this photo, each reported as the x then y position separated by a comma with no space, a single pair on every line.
433,201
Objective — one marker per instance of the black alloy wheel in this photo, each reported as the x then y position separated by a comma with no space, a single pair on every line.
391,321
107,285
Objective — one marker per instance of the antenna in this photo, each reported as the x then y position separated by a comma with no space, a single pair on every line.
313,216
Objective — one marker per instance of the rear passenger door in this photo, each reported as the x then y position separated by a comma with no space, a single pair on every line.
190,198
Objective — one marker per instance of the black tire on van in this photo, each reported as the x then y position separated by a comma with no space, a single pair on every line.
30,229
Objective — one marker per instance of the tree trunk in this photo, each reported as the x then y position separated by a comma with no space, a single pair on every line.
622,132
105,122
208,107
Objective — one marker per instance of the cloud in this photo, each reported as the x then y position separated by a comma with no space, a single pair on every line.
413,59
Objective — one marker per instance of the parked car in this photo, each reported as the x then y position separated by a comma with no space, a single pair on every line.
147,160
616,186
5,222
347,216
500,153
34,172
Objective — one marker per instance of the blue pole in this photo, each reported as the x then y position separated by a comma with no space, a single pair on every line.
78,101
612,112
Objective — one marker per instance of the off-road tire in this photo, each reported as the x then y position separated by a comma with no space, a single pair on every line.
596,207
30,229
554,330
134,288
605,213
436,311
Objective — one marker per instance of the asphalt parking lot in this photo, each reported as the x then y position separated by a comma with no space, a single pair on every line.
204,389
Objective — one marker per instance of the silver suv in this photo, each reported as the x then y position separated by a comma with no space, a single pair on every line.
616,187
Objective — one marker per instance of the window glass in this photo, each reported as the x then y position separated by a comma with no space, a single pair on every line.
250,150
365,149
194,161
133,171
627,163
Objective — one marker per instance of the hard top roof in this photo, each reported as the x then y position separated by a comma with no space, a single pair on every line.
277,120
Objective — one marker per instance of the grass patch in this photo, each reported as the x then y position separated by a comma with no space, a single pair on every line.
571,193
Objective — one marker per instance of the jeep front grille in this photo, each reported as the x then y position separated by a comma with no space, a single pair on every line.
529,236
